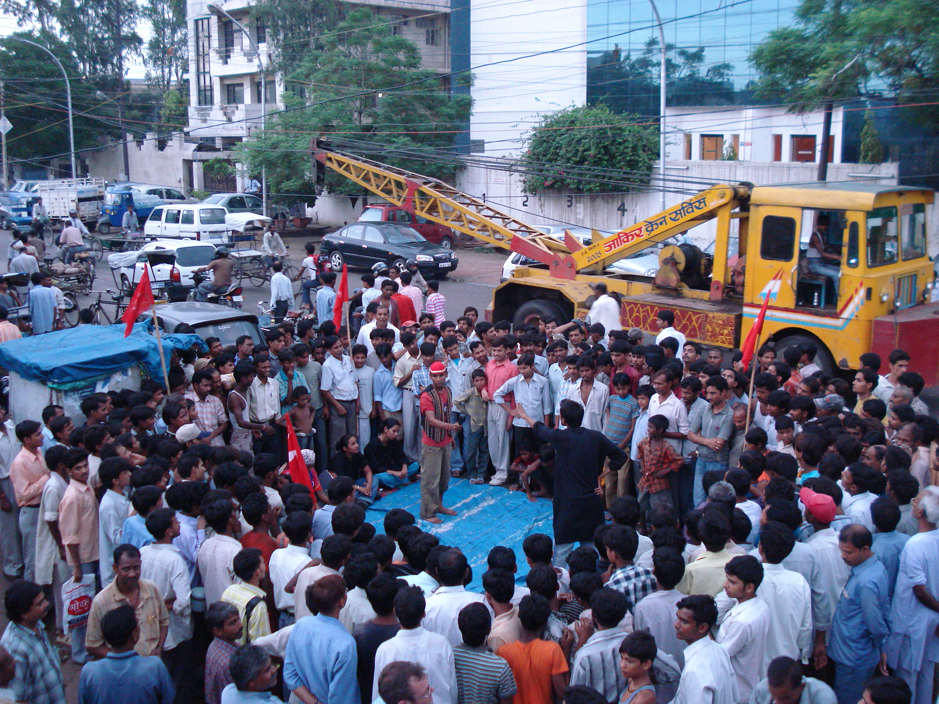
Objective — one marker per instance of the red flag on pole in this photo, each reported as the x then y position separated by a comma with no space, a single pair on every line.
141,301
749,344
296,467
342,296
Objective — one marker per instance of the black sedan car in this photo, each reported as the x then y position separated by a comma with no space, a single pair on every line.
361,245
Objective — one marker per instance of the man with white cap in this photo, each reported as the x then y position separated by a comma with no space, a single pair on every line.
438,432
190,434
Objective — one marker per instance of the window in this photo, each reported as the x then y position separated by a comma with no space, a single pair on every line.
686,152
882,236
260,31
353,232
236,202
914,233
371,215
203,42
212,216
803,148
777,147
188,218
373,234
234,93
172,216
227,32
253,202
779,238
403,216
269,87
175,195
195,256
853,245
712,147
430,37
156,215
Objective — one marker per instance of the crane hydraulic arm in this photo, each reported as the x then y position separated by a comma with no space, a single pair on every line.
443,204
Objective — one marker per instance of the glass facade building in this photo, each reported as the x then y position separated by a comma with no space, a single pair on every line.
711,40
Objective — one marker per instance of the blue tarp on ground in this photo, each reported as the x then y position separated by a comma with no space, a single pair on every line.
88,351
488,516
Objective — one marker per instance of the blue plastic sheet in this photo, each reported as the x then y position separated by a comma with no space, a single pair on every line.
487,516
89,351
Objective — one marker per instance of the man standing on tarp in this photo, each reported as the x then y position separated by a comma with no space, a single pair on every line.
578,466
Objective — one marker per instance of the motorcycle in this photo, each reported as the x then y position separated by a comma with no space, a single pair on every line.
232,296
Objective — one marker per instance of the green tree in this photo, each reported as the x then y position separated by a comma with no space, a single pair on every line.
166,54
347,92
814,64
872,150
174,113
589,136
35,99
293,28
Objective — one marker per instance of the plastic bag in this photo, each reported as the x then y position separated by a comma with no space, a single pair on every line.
77,598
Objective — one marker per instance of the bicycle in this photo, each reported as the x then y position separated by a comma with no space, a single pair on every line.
257,271
99,313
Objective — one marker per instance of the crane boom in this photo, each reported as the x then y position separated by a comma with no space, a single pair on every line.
441,203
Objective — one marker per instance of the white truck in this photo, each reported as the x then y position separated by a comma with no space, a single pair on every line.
86,195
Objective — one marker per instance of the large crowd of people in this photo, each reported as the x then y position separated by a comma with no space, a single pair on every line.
721,534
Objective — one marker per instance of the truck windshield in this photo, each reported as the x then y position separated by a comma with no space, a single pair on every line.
212,216
914,233
882,236
371,215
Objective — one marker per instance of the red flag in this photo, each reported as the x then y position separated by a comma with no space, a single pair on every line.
296,467
141,301
749,344
342,296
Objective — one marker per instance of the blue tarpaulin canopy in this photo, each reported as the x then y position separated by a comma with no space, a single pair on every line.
89,351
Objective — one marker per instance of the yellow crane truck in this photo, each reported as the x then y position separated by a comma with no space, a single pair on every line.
880,301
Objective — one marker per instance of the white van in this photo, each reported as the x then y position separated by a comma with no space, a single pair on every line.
198,221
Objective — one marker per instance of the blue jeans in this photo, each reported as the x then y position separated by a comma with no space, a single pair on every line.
477,453
818,266
700,469
849,682
389,481
366,500
456,454
305,287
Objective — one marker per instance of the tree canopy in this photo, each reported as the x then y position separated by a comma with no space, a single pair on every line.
589,136
364,90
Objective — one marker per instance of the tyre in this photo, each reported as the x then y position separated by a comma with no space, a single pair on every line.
6,224
48,236
237,274
541,309
336,261
255,271
104,227
446,243
399,264
290,269
71,310
822,359
96,248
126,288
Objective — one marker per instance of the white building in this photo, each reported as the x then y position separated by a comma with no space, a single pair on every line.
528,59
225,84
764,134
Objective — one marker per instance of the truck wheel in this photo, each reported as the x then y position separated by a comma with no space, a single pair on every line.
822,359
104,227
541,309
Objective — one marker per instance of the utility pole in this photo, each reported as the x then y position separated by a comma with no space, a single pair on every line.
662,87
3,117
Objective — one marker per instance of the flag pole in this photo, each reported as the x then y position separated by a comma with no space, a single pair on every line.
755,362
156,330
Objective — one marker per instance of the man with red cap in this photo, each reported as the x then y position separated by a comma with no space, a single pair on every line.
437,441
833,573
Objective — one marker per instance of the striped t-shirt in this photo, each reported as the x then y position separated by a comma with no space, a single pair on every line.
623,413
481,677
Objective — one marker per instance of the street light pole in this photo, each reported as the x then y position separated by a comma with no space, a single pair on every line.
219,12
68,95
662,78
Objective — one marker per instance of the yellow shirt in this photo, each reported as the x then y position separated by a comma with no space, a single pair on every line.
151,616
238,595
706,574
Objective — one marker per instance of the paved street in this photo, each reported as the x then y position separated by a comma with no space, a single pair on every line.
471,285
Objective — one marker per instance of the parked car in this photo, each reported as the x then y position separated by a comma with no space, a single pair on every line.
236,202
195,222
364,244
430,231
207,320
643,264
171,264
166,194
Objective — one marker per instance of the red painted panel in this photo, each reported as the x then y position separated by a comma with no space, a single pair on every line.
915,330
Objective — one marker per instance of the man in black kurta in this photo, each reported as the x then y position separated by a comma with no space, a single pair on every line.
578,464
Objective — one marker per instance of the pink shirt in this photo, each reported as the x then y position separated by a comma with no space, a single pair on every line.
29,475
497,373
436,305
78,521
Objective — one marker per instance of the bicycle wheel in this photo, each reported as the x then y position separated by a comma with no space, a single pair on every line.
47,236
256,271
290,269
71,309
97,248
237,272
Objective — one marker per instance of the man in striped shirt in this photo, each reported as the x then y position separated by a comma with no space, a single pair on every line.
480,675
596,664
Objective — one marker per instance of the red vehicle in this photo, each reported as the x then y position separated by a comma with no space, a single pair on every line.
432,232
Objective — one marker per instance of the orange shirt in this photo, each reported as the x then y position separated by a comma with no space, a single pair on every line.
78,521
533,664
